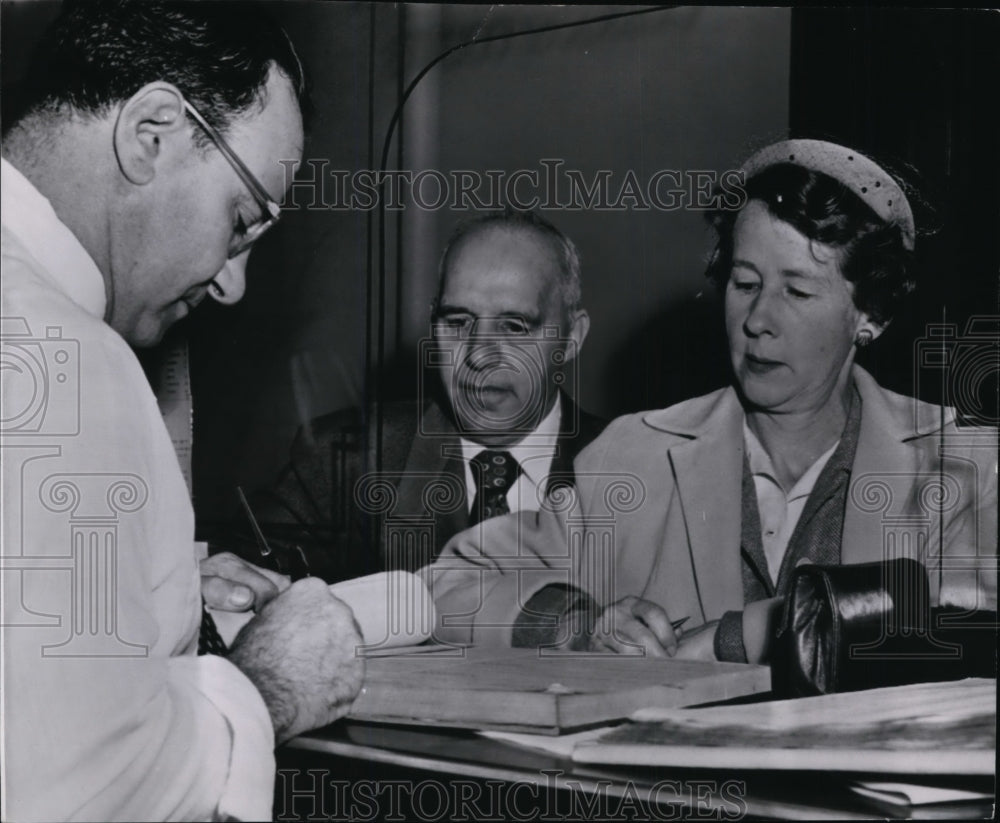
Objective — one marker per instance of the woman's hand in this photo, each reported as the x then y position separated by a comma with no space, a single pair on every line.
699,643
633,626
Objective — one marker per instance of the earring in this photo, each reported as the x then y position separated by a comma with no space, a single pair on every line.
863,338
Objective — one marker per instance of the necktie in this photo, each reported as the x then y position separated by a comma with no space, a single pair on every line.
209,639
495,472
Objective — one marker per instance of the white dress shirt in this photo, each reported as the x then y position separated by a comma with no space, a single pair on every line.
108,714
534,455
779,512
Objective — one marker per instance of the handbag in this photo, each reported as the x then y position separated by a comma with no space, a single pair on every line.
867,625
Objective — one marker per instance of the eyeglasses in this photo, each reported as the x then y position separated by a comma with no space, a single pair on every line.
461,325
271,211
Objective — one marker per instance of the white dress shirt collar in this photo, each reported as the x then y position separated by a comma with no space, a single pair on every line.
30,216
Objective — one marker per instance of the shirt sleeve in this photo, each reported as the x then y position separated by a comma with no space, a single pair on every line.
187,738
246,747
107,712
486,575
542,621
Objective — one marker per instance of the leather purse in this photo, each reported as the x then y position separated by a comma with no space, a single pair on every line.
867,625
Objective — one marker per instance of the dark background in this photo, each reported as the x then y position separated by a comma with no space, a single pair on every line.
337,300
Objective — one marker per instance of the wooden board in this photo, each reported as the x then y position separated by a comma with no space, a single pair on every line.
926,728
525,690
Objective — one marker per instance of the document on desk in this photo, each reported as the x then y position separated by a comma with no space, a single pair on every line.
393,610
540,692
926,728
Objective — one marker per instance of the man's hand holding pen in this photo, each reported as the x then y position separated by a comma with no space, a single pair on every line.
232,584
299,647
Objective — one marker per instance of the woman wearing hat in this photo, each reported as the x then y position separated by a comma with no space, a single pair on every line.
803,459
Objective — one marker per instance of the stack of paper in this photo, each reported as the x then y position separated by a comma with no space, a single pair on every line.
927,728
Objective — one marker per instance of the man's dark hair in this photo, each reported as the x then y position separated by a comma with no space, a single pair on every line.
100,52
872,252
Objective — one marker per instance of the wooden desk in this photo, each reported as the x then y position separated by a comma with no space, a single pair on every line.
377,772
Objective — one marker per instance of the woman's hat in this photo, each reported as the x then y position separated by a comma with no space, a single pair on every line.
863,176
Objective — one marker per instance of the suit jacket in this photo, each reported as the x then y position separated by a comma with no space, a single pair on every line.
657,515
387,493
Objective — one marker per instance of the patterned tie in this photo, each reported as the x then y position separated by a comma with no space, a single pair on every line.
495,473
209,639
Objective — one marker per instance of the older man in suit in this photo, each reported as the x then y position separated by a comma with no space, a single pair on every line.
495,433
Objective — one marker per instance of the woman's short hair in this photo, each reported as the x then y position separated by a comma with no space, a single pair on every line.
872,252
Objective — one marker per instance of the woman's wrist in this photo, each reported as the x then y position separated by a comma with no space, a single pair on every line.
760,623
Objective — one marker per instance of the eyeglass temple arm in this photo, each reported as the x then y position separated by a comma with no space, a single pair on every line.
245,174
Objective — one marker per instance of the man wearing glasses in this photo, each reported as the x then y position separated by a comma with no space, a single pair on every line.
496,432
134,183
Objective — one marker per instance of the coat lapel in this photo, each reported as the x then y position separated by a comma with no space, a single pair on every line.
707,470
885,464
576,430
434,459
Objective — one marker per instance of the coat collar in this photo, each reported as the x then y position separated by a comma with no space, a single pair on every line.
707,469
699,416
886,412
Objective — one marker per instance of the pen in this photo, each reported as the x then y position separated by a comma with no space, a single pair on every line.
676,624
265,549
262,544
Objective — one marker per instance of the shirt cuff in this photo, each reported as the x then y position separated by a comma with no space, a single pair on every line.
729,638
248,793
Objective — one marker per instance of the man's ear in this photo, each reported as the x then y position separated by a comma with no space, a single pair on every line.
153,114
579,325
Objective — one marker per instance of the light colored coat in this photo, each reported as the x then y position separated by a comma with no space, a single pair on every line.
657,515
